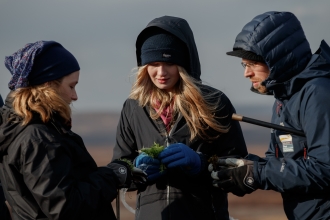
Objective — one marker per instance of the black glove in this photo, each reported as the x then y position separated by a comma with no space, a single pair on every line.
126,175
234,175
139,176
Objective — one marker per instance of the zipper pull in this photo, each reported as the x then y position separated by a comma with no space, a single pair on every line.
167,143
278,108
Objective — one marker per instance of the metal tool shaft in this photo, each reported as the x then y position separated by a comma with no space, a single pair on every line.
237,117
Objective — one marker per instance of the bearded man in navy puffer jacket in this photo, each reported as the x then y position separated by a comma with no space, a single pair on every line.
277,59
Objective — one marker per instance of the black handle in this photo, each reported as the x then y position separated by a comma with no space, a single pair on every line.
267,124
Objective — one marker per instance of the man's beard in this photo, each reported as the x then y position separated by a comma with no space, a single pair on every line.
261,89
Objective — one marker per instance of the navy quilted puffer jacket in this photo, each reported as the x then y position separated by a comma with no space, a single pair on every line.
298,167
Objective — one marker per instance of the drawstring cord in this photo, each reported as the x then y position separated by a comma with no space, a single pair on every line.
278,108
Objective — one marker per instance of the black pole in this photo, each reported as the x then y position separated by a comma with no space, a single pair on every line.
267,124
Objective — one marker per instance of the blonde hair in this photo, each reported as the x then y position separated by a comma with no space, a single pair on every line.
186,98
42,99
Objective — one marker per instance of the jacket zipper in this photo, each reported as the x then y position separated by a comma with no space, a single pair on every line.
167,143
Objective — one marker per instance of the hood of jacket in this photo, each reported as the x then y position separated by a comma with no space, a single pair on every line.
10,126
318,66
279,38
180,28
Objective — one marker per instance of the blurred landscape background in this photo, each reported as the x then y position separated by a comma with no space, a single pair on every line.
99,132
101,34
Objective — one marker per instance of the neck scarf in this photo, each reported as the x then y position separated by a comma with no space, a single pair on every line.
166,115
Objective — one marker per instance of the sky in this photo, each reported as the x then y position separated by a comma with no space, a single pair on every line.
102,33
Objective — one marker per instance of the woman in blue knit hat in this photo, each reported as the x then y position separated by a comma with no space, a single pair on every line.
47,173
169,106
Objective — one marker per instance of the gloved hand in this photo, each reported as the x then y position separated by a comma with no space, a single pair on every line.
234,175
180,155
151,166
126,174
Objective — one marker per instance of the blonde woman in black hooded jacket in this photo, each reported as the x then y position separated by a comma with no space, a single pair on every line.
170,106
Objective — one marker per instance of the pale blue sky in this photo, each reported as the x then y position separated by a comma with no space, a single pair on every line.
102,33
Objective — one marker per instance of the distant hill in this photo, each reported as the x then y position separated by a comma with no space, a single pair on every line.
99,129
96,129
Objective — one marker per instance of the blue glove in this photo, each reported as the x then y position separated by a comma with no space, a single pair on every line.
180,155
150,166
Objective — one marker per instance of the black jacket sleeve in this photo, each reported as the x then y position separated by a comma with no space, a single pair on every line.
61,190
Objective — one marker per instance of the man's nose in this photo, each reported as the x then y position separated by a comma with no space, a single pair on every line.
248,72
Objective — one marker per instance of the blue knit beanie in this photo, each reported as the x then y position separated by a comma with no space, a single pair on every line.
39,62
161,46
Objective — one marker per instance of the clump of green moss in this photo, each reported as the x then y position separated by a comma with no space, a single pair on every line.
162,167
153,152
130,164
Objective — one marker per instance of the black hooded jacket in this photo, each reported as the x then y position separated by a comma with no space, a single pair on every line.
47,173
4,212
176,195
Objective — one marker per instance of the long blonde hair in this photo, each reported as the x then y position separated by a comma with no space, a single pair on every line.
186,98
42,99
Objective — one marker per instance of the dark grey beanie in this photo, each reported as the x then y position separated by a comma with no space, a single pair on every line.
161,46
245,55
